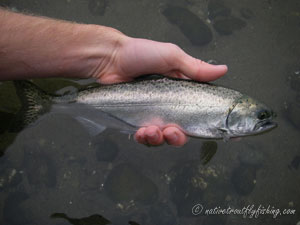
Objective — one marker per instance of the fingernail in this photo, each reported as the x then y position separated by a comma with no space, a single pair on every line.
222,66
153,136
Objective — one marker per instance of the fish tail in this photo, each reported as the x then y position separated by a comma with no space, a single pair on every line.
35,102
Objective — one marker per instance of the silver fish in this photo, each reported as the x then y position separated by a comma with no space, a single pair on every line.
199,109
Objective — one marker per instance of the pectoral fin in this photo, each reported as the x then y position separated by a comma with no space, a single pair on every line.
224,133
94,119
92,127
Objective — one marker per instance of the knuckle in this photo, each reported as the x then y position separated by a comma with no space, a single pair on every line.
173,47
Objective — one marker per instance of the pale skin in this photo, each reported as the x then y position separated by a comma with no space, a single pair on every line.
37,47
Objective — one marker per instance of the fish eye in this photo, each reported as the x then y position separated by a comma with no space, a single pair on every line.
263,114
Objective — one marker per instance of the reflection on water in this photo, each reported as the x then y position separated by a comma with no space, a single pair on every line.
55,173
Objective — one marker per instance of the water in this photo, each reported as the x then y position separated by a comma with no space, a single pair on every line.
56,167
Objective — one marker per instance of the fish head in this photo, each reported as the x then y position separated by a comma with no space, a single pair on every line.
248,117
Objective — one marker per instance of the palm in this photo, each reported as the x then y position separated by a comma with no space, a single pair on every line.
139,57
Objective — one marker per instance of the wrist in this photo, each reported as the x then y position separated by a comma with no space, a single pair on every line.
95,50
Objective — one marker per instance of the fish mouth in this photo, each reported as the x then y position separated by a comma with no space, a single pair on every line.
264,125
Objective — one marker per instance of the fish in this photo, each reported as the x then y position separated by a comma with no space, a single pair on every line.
201,110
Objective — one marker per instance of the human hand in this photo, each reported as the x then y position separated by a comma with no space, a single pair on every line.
83,51
135,57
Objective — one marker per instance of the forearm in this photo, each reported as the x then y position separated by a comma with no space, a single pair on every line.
32,47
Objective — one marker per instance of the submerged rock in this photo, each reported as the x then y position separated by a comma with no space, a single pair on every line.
228,25
214,220
223,22
125,183
193,183
292,114
98,7
9,178
135,218
40,170
294,80
106,149
246,13
243,179
295,163
190,25
162,214
252,155
13,212
217,8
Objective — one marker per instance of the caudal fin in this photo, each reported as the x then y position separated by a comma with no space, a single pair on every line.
35,102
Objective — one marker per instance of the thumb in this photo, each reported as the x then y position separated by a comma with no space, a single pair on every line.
200,70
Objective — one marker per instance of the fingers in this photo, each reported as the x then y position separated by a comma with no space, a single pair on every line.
193,68
174,136
152,135
201,71
112,78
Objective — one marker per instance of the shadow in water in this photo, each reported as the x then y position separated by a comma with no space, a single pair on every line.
90,220
95,219
207,151
6,136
